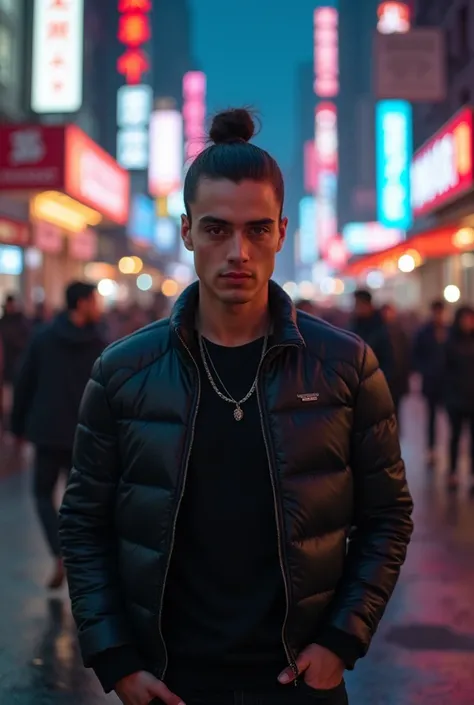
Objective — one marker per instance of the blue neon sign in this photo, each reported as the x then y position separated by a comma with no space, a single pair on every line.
307,226
394,151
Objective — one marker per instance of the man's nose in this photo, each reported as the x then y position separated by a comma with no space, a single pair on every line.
238,248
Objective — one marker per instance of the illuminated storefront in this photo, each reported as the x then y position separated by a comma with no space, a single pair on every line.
439,251
72,186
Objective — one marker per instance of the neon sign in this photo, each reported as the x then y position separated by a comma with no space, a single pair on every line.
326,52
394,152
393,17
326,147
443,168
134,32
194,113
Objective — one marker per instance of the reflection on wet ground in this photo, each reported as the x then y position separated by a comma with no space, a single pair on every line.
423,653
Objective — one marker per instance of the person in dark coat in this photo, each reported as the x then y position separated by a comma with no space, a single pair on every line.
401,350
429,360
368,324
459,386
222,458
47,394
15,333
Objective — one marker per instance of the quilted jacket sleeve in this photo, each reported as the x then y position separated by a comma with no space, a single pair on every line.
383,524
86,527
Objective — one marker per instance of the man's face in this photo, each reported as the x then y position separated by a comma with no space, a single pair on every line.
362,308
235,235
90,308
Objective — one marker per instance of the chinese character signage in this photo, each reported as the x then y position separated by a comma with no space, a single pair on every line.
194,113
58,37
134,32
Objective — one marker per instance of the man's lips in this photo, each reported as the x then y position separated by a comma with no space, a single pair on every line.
236,275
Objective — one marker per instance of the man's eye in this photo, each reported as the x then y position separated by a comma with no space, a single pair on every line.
259,230
215,231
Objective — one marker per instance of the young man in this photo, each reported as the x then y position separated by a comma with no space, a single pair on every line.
223,457
47,395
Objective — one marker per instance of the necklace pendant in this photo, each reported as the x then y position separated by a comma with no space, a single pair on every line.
238,413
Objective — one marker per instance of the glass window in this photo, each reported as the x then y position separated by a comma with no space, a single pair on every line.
6,51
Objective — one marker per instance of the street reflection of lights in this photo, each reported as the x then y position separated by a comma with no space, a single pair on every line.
291,289
406,263
306,290
126,265
452,293
144,282
169,287
375,279
107,287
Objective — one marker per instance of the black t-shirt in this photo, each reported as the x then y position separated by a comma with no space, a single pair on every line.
225,602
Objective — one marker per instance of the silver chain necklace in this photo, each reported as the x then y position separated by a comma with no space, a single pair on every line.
205,356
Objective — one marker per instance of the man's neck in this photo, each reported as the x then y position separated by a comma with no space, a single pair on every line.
233,325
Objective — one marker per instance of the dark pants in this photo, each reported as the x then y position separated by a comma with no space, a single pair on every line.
49,464
279,695
457,420
432,406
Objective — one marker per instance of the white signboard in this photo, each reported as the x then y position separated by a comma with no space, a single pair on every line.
411,66
58,36
166,153
134,104
132,148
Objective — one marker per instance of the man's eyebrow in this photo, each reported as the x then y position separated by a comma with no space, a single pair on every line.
213,220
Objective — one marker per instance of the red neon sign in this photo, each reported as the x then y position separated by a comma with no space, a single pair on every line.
443,168
133,32
326,52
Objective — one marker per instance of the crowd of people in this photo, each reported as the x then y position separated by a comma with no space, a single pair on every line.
440,351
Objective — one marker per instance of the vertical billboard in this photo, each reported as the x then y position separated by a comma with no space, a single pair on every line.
166,153
58,37
135,98
308,249
394,149
326,86
194,113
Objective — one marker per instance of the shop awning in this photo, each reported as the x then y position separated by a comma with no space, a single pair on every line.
63,171
435,243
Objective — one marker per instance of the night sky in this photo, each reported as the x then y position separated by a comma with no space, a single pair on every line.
251,50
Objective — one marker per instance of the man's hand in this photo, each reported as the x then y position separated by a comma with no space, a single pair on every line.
142,688
321,669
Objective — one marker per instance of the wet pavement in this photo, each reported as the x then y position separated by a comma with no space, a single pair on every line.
423,653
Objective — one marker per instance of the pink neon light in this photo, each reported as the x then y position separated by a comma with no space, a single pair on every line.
310,167
194,113
326,52
326,137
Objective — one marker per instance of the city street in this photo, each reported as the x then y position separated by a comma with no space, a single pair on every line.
422,655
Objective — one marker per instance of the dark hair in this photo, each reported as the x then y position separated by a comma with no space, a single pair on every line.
232,157
437,305
363,295
76,292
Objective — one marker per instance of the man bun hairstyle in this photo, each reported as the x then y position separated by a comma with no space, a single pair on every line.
232,126
232,156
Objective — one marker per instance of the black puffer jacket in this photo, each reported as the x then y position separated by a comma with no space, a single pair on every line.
334,459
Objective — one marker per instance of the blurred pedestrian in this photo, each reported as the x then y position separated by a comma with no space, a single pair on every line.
48,391
222,457
306,306
401,350
367,323
429,361
459,386
14,334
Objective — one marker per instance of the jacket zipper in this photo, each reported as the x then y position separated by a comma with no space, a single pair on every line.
289,655
180,499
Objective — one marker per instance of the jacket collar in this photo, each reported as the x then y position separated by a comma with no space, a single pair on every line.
283,313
